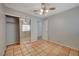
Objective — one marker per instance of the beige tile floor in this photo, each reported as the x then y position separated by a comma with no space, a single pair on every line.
39,48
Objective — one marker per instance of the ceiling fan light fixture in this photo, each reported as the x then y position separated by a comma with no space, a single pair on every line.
41,10
44,9
41,13
47,11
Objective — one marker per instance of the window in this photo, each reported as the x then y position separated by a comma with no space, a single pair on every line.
25,24
25,27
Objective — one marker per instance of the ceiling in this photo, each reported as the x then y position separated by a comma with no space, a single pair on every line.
29,7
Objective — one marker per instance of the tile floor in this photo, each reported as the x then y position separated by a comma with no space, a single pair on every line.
39,48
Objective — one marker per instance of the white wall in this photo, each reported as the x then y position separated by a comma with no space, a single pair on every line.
12,12
2,30
40,27
64,28
34,30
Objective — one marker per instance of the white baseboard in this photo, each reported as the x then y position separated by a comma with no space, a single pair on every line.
64,45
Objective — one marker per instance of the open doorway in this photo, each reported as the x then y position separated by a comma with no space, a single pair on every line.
25,30
12,30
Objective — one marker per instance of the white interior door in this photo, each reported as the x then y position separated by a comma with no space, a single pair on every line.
10,31
45,30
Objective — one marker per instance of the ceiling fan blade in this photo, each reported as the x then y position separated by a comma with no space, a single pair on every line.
35,10
52,8
43,5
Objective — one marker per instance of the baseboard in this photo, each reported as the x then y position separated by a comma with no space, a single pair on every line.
13,44
58,43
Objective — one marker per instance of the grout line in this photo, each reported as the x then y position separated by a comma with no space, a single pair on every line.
78,53
21,51
13,50
69,52
5,51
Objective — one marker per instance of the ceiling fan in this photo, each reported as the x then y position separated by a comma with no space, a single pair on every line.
44,9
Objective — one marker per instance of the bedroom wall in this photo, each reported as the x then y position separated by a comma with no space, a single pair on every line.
64,28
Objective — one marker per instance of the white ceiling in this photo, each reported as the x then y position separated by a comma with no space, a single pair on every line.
29,7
